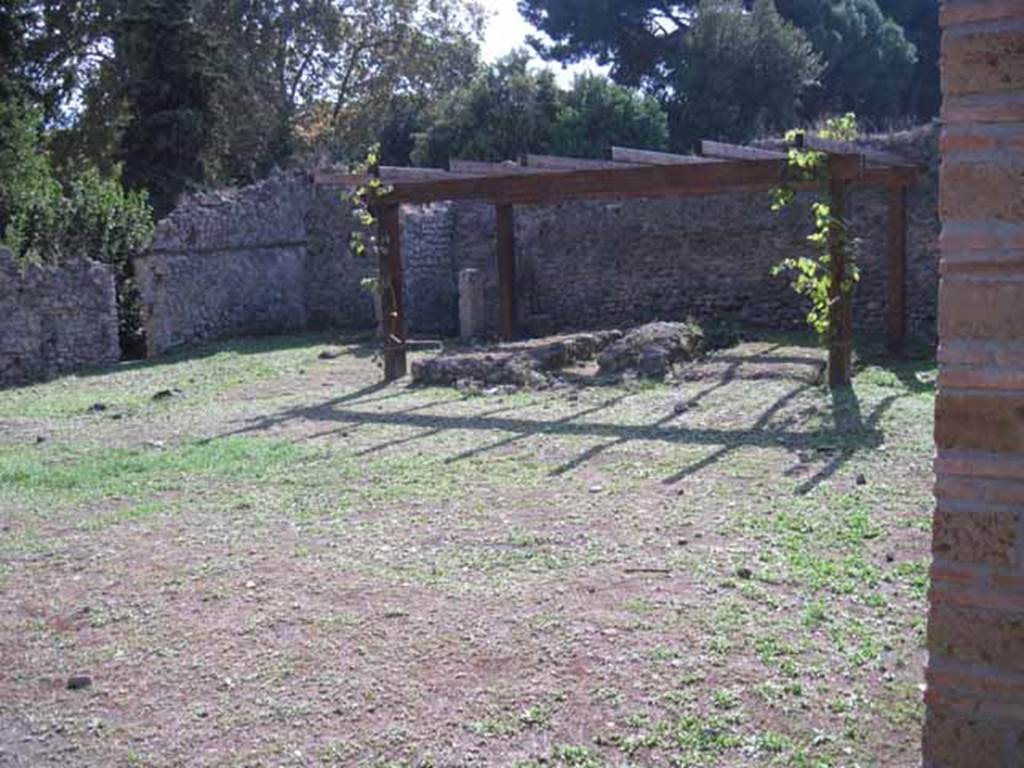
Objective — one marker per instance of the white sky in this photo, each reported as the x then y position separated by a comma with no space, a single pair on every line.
506,30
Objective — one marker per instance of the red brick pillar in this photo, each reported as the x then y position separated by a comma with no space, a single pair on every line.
975,676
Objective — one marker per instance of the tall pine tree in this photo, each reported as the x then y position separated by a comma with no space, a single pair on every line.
169,74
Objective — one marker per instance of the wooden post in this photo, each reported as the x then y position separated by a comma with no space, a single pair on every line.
896,304
840,350
390,275
507,271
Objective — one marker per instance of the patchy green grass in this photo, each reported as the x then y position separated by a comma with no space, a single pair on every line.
265,558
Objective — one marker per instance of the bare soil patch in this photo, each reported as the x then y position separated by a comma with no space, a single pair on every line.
289,564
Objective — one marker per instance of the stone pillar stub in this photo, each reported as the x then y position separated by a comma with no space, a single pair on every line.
472,318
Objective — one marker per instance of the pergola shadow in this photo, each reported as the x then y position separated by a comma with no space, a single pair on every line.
851,430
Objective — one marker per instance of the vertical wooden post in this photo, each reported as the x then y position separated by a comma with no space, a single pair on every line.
840,349
896,303
390,275
507,271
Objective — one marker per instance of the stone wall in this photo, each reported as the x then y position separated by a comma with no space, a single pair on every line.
584,265
227,264
275,257
55,319
975,675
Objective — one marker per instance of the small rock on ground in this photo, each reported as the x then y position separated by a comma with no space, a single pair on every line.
78,682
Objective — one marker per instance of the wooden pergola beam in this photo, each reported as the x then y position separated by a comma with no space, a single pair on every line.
390,286
738,152
506,183
538,186
876,156
570,163
652,157
840,345
482,168
340,177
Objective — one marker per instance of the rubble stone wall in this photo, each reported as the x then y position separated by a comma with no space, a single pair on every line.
275,257
55,319
587,265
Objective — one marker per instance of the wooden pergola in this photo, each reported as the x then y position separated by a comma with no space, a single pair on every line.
630,173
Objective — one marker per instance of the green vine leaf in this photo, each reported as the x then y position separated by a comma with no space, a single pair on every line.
812,277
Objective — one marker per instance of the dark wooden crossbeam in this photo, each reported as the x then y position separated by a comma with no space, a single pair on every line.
480,168
570,163
653,157
738,152
552,186
340,177
833,147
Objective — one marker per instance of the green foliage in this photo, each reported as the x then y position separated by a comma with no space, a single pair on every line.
190,93
168,73
363,240
595,113
639,39
28,191
868,58
741,74
812,277
90,215
506,110
103,221
920,22
510,109
868,61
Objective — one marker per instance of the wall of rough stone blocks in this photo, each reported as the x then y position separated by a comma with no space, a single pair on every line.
55,319
584,265
226,264
975,675
275,258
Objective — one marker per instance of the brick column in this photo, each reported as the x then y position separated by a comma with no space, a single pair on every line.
975,676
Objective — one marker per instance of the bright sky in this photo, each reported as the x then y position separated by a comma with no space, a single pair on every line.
506,30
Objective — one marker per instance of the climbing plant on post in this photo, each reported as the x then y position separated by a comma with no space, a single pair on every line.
830,278
377,235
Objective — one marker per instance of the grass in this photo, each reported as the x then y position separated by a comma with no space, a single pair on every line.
284,563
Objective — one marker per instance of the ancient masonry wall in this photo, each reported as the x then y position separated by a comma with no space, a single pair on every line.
587,265
55,319
275,257
975,675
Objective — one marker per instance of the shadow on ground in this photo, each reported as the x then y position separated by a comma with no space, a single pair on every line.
850,430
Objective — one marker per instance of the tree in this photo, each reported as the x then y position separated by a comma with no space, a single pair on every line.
868,61
28,191
639,40
168,69
742,74
191,93
920,22
505,111
511,109
595,114
91,214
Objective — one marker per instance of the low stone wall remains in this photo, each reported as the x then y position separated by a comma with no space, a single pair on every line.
55,319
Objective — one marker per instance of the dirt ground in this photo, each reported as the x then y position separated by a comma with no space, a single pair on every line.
258,557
